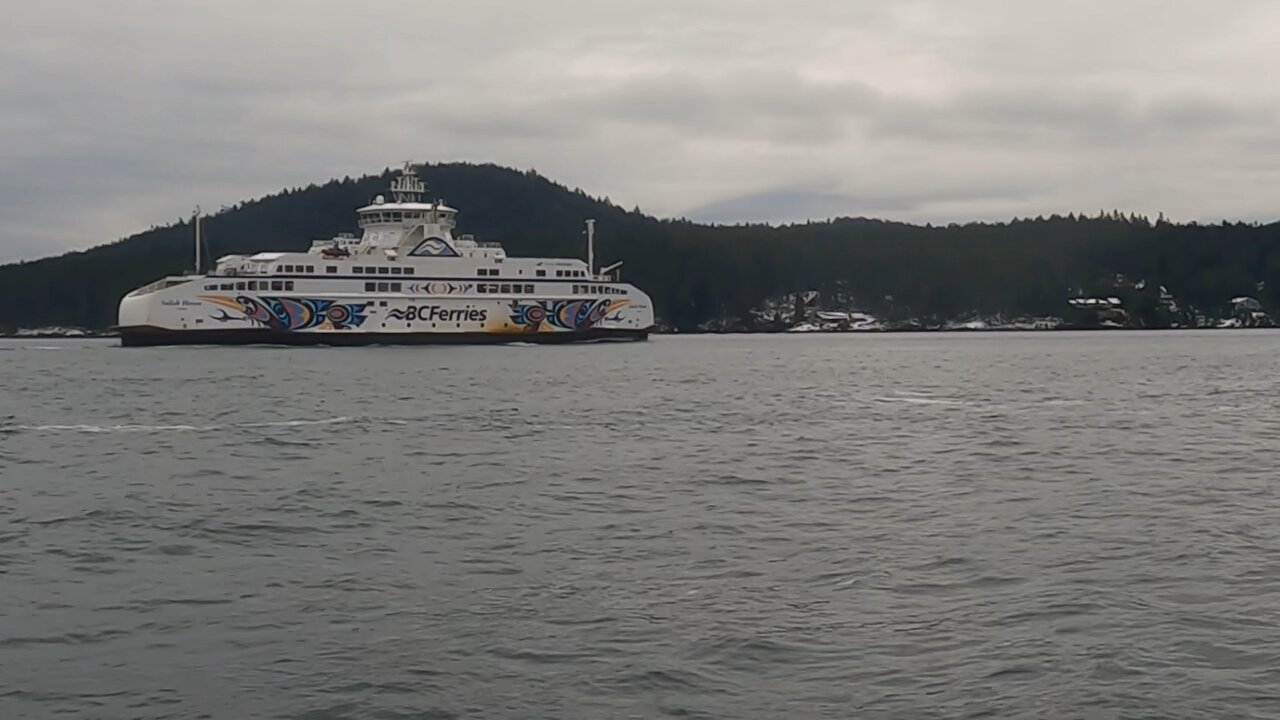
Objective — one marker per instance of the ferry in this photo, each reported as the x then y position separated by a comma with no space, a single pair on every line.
406,280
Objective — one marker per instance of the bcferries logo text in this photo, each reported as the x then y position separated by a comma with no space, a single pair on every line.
435,313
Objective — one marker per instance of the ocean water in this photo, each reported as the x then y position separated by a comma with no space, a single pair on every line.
1044,525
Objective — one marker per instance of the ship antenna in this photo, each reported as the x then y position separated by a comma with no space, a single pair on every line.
591,249
195,220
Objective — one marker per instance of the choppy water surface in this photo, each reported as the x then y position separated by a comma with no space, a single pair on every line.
1042,525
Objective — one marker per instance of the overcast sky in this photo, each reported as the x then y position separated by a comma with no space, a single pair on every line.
115,116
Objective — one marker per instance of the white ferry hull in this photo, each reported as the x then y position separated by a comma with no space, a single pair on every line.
185,315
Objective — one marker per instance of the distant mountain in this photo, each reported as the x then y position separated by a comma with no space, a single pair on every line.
698,273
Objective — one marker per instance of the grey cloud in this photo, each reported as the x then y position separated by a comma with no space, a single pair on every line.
116,116
771,106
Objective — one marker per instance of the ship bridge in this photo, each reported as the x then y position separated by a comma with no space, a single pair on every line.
406,226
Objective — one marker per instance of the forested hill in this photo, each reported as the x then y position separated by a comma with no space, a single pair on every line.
697,273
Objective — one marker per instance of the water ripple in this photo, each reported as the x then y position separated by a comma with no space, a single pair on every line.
902,526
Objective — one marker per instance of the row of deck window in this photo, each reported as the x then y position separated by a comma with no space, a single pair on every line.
598,290
482,288
493,272
504,288
255,285
360,270
371,218
405,270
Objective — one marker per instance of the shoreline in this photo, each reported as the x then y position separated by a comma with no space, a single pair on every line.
890,331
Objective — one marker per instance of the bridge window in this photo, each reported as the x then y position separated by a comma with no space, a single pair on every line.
395,287
384,270
408,271
542,273
288,284
239,286
506,288
277,285
395,270
357,270
311,268
331,269
370,287
384,287
480,288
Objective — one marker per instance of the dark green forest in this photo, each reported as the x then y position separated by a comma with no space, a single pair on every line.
699,273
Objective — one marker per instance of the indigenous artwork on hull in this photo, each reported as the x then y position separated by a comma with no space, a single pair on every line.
531,315
291,313
439,288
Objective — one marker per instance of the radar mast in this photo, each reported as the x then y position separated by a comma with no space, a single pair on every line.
408,187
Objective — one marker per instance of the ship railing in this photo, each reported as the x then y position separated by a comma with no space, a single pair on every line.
159,285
